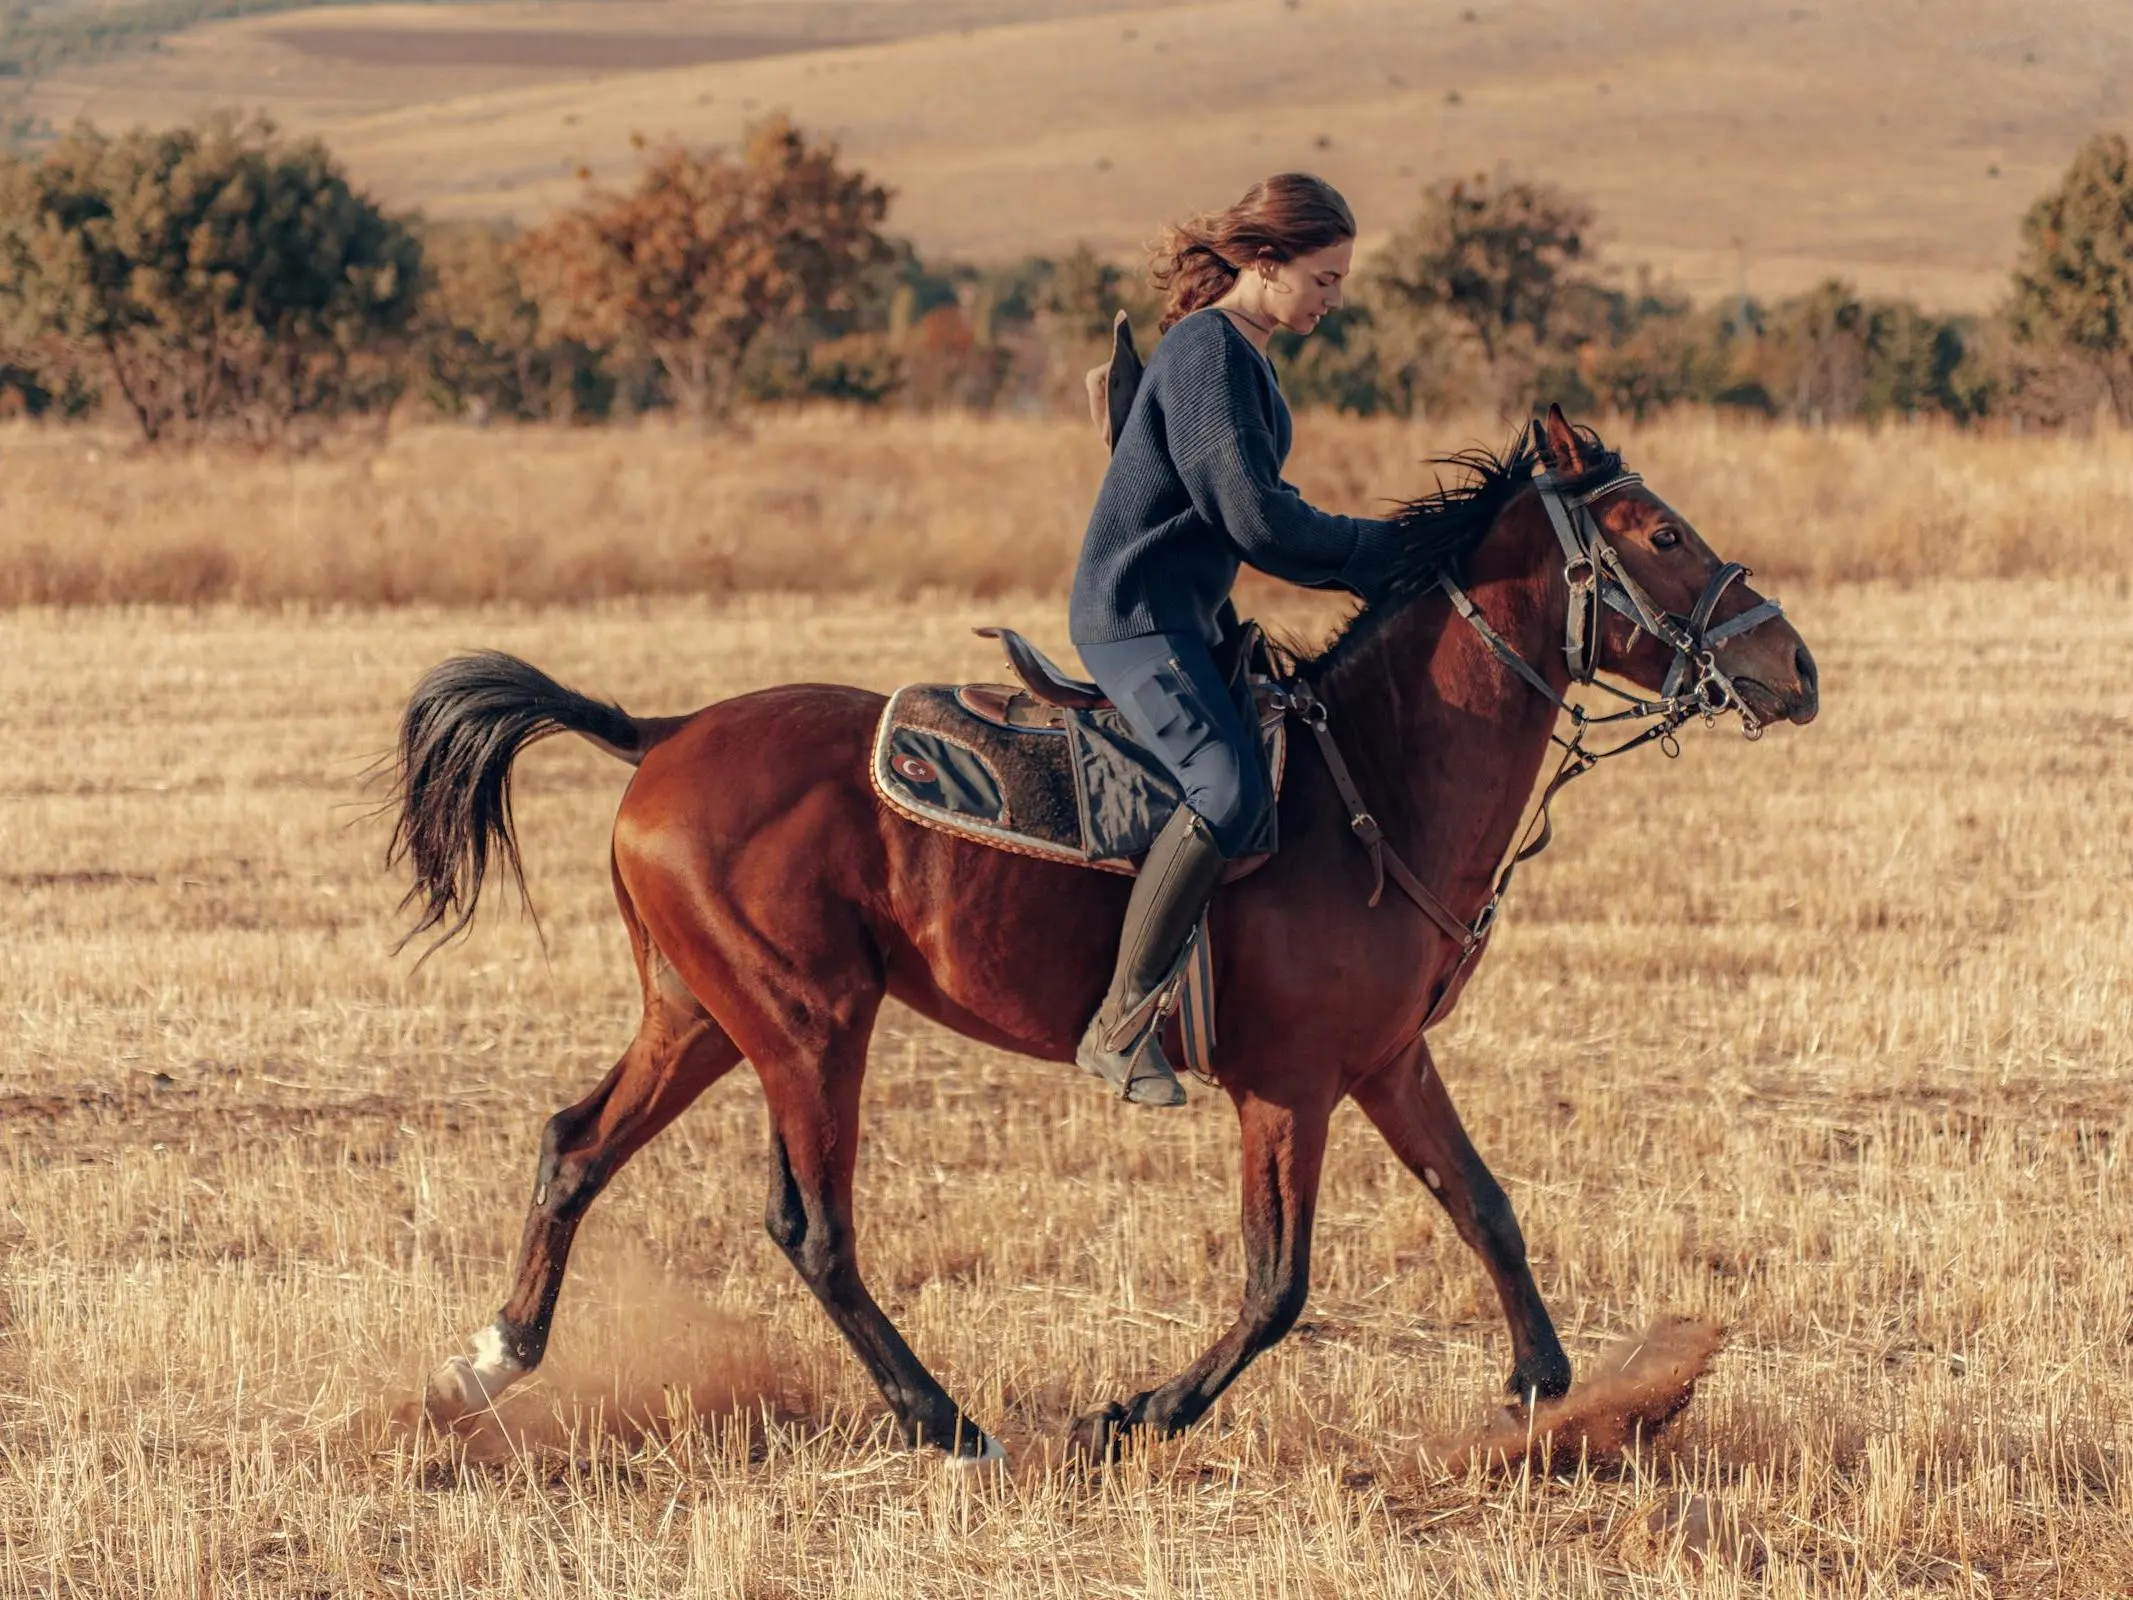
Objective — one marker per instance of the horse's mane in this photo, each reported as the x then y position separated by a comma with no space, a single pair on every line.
1442,528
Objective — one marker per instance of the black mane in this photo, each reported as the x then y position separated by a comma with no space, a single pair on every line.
1445,525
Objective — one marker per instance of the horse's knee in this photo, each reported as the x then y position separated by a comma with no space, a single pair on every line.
785,1218
815,1249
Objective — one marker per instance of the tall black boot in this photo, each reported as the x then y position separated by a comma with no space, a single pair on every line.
1175,883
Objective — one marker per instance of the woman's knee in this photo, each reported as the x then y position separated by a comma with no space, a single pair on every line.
1229,791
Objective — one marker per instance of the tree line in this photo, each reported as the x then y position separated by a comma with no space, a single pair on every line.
220,280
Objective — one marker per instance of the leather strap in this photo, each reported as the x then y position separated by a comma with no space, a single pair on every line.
1383,858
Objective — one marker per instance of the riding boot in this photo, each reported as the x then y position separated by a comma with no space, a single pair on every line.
1175,883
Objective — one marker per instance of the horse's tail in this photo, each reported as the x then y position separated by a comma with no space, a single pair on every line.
467,721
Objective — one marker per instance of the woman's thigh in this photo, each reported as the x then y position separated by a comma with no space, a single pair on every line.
1171,695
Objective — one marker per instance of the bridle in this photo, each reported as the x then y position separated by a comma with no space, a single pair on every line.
1598,582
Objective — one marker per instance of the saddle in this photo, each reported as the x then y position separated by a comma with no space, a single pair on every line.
1048,766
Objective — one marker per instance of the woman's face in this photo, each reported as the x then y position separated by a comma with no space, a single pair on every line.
1301,291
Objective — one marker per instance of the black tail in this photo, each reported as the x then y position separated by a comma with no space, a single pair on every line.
465,724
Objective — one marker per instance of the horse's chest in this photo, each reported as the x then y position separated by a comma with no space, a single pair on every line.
1356,987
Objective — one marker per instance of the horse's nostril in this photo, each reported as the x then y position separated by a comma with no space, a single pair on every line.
1804,664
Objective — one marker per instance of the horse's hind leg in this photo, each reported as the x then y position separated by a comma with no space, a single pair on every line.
678,1053
813,1098
1408,1103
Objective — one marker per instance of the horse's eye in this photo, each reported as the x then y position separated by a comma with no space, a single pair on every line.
1666,539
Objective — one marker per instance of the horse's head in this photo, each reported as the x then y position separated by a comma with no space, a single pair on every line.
1663,610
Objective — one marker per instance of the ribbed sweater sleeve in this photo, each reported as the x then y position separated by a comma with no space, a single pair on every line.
1221,429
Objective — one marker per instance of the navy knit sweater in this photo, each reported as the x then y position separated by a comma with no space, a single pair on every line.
1195,488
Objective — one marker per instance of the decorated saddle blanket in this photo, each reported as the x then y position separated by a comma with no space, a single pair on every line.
1000,766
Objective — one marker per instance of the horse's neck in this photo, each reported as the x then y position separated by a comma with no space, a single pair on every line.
1447,740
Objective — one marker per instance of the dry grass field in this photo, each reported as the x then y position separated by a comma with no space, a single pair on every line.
1733,146
856,502
1825,1037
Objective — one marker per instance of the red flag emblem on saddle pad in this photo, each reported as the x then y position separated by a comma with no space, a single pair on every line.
916,769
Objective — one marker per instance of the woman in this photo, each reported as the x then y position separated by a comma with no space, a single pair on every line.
1194,489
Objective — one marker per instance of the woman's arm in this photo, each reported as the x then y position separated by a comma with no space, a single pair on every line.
1222,443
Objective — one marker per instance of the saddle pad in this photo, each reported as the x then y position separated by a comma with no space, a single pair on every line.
1026,777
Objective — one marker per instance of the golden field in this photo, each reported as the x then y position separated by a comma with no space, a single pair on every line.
1754,148
1825,1037
838,501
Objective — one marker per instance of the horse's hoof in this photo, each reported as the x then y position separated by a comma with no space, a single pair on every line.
1098,1436
462,1386
1524,1389
1552,1382
991,1457
454,1391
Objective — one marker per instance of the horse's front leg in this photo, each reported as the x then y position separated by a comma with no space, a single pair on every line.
1408,1103
1284,1145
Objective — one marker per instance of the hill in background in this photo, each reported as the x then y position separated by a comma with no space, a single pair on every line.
1732,146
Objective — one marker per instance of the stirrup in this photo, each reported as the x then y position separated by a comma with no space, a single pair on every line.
1140,1072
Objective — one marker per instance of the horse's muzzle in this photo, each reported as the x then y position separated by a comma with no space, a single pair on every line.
1795,702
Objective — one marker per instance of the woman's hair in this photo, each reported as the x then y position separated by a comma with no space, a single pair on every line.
1290,214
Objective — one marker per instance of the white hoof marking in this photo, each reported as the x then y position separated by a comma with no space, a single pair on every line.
991,1454
460,1386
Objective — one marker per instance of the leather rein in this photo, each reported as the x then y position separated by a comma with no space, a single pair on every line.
1596,578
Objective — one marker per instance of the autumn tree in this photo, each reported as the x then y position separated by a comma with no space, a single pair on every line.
485,348
2073,284
1496,256
708,254
215,274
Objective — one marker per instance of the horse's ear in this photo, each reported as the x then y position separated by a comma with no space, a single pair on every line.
1558,444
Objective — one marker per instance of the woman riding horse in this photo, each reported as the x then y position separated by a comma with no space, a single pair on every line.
773,902
1194,489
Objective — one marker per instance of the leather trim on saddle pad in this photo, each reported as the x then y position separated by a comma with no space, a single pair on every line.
1037,815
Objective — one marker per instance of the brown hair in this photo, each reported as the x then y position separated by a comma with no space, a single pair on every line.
1288,215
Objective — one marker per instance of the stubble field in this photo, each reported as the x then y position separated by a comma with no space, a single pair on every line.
1825,1037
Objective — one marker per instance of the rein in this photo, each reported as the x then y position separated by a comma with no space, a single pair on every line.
1596,577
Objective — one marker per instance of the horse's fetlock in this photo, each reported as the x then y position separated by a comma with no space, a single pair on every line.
523,1343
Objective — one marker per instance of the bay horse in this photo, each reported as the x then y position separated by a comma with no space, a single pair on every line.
772,901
